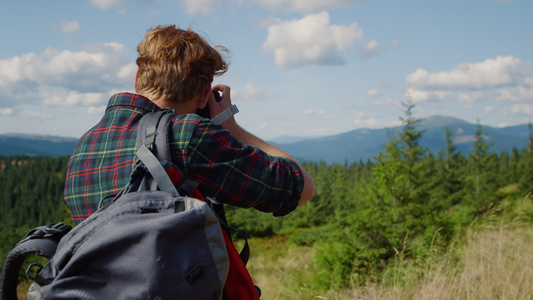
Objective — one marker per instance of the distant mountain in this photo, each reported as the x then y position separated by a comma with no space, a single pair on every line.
33,144
364,144
351,146
287,139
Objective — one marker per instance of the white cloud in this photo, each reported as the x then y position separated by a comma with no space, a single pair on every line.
488,109
106,4
73,98
370,122
203,7
526,109
96,110
304,6
252,94
471,97
70,27
369,49
417,96
387,103
504,78
491,73
28,114
308,111
373,93
97,68
396,43
310,40
6,111
519,93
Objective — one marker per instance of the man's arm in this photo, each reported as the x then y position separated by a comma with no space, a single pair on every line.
249,139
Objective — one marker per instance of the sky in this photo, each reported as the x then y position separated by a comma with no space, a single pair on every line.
302,68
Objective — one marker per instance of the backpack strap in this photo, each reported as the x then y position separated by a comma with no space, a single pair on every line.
153,148
40,241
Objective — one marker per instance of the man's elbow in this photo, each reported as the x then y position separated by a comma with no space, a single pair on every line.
308,190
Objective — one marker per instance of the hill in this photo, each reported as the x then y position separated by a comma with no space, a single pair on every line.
352,146
364,144
33,144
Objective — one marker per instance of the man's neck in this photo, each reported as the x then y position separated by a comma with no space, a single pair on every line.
180,108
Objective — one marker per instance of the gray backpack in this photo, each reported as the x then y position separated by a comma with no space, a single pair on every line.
150,242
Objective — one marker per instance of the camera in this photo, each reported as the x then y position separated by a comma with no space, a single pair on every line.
204,112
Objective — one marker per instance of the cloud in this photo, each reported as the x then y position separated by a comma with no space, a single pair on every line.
504,78
304,6
417,96
515,94
500,71
203,7
70,27
488,109
253,94
471,97
308,111
310,40
96,110
65,77
389,102
395,43
373,93
526,109
73,98
106,4
28,114
6,111
370,122
369,49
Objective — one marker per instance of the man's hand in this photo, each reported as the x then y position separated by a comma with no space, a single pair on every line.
215,108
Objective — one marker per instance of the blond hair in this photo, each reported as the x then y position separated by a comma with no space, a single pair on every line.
177,64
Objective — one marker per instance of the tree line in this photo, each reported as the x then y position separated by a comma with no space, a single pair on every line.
406,201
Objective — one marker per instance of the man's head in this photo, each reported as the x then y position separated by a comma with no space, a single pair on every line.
176,65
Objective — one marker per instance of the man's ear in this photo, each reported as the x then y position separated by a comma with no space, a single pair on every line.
203,98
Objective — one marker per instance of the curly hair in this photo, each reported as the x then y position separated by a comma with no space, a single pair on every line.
177,64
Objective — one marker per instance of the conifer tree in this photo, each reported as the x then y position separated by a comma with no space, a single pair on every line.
482,173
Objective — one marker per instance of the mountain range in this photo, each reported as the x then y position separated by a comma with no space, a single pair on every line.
35,144
351,146
364,144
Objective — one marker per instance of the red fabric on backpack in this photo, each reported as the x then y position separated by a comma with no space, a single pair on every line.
239,284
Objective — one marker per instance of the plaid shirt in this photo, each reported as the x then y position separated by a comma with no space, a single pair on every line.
234,173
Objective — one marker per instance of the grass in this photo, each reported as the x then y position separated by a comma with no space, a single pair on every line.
492,260
281,269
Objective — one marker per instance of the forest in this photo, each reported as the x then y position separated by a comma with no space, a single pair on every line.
407,202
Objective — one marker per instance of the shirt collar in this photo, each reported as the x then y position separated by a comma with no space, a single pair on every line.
132,100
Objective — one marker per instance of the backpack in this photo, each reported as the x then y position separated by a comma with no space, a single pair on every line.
153,241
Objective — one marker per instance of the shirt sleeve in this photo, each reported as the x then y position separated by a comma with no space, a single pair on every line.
242,175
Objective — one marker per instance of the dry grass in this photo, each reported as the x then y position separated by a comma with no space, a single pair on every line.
281,269
494,260
496,263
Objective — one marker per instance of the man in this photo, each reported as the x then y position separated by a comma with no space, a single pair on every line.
175,69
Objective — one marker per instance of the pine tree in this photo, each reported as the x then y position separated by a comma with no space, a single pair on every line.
482,174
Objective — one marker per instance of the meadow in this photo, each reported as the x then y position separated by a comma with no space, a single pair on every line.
492,259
